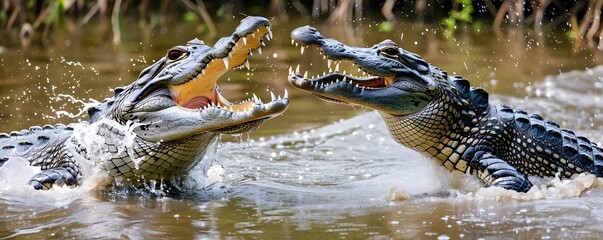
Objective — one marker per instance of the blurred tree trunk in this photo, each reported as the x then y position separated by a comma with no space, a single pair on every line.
202,11
594,28
342,13
539,7
345,11
115,22
277,8
513,9
388,6
300,7
515,12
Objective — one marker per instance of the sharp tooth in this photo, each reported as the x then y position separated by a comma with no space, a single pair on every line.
255,98
337,80
330,70
344,73
219,105
286,94
297,68
257,30
302,50
230,54
250,53
263,44
344,78
337,67
270,32
279,97
324,73
260,50
290,70
323,56
253,35
244,40
247,64
203,72
329,63
292,42
272,97
356,84
296,44
351,82
306,75
225,62
358,69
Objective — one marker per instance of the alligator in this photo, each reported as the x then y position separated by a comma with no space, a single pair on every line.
158,127
446,119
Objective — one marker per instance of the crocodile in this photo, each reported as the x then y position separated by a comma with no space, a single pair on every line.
443,117
158,127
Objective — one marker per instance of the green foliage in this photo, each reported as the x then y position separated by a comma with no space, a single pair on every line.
190,17
222,11
478,26
55,16
386,26
3,17
30,4
58,12
457,16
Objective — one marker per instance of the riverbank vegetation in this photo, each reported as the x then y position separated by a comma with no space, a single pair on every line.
33,21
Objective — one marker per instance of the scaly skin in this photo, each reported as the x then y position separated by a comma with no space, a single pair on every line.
444,118
158,127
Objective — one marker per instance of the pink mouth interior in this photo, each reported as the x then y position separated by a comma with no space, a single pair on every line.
197,102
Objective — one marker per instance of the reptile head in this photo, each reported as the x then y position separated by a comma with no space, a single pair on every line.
178,96
398,83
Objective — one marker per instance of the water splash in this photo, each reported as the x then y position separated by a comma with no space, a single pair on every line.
15,175
544,188
97,146
86,105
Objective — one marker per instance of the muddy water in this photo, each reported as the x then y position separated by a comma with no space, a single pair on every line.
320,171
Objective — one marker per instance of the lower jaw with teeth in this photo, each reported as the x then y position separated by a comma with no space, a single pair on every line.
201,103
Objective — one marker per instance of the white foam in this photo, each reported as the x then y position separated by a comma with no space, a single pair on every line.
87,136
14,176
86,105
544,188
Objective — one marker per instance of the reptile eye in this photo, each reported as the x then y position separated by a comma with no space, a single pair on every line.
390,51
174,54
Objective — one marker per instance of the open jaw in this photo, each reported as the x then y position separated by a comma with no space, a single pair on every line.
336,86
200,92
390,82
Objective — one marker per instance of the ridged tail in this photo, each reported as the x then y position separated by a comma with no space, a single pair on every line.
33,143
561,148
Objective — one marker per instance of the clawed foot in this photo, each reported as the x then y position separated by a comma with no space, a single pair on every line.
59,176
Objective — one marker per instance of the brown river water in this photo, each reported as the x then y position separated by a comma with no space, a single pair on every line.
319,171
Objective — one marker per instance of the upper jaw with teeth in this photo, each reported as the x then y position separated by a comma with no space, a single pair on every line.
334,77
199,92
